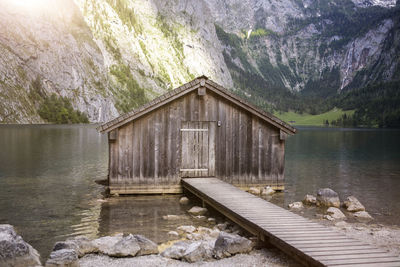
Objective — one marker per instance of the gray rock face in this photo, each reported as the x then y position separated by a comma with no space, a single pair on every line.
197,211
336,213
14,251
63,258
230,244
328,198
310,200
352,204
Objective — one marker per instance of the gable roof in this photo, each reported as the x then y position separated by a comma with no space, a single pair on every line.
185,89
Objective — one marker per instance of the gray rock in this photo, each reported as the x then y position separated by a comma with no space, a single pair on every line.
328,217
198,251
196,211
328,198
147,246
81,244
184,201
120,246
186,229
127,246
296,205
223,226
177,250
363,216
352,204
267,191
342,224
254,191
336,213
230,244
310,200
63,258
14,251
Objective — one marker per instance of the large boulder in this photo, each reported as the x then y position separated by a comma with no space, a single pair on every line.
227,245
14,251
328,198
197,211
336,214
352,204
63,258
310,200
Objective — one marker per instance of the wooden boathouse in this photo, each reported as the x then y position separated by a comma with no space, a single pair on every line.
199,129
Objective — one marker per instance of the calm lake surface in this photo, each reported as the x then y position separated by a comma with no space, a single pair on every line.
47,174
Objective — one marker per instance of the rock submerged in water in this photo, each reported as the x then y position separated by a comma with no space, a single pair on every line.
197,211
14,251
310,200
328,198
296,205
353,204
186,229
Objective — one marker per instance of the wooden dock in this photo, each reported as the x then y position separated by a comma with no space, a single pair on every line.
308,242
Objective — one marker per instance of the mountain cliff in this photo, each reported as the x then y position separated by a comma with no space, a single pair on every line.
106,57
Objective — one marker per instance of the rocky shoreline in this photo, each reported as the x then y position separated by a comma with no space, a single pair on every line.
214,244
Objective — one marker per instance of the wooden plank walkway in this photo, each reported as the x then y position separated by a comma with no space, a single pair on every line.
310,243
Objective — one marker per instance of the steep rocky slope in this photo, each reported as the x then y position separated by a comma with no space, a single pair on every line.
109,56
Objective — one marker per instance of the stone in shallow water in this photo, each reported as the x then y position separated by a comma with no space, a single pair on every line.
336,213
363,216
186,229
352,204
254,191
267,191
81,244
328,198
172,235
197,211
296,205
170,217
14,251
227,245
184,200
310,200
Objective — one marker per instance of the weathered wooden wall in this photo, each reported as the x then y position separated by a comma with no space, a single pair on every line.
145,156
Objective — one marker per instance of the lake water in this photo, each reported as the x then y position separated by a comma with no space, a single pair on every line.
47,174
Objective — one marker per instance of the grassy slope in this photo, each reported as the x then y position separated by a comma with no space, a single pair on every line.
312,120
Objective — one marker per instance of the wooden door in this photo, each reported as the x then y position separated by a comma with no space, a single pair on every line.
198,149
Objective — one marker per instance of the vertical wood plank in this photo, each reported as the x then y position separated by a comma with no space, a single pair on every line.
211,149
